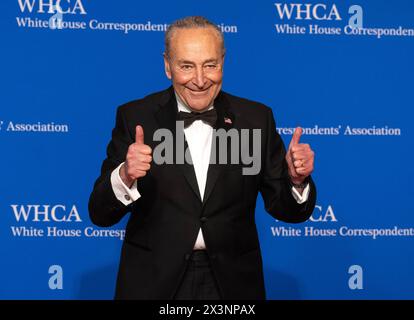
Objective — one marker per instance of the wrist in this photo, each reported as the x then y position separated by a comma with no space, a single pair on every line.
124,177
299,183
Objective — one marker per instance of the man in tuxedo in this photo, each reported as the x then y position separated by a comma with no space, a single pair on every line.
191,233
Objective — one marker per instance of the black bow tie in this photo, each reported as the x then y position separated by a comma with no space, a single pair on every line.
209,117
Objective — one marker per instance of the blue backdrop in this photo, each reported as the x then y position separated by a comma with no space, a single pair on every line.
350,89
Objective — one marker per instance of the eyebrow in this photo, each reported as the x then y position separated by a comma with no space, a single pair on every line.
191,62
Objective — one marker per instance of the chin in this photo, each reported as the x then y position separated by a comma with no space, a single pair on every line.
199,105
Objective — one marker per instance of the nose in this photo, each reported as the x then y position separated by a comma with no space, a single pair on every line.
199,79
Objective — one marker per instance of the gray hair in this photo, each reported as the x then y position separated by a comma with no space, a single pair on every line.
190,23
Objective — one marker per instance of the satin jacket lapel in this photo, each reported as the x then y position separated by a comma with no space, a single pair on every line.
225,120
167,117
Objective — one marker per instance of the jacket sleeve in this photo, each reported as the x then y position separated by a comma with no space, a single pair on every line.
274,186
104,208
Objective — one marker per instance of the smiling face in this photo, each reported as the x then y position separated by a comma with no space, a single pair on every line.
195,66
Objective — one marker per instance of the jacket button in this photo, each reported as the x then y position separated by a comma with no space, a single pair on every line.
203,219
213,256
187,256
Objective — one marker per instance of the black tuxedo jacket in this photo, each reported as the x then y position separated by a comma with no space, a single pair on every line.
165,220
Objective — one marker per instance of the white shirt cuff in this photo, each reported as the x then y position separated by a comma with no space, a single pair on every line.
122,192
301,198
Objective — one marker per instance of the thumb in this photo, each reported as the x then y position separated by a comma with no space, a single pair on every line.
139,135
295,137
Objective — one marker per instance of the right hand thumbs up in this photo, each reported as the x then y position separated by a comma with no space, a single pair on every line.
138,159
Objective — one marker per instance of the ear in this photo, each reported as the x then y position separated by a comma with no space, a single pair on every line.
167,66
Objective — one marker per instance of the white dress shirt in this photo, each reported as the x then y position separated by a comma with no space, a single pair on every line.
199,137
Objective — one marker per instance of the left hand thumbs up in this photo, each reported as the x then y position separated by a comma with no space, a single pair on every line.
299,158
